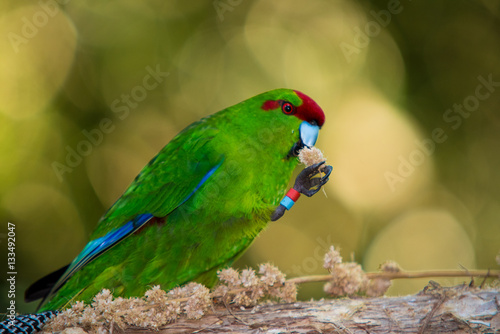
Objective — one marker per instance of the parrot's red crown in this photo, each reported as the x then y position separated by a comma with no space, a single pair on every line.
309,110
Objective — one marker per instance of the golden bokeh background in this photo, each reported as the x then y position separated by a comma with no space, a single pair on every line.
411,92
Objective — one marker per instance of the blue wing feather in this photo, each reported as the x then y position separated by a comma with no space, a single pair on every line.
100,245
203,180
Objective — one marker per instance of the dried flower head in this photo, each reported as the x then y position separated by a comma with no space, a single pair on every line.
198,302
229,276
378,287
156,295
390,267
288,293
248,278
310,156
271,275
347,279
249,287
332,258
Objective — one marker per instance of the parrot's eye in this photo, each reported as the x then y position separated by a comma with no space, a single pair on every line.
287,108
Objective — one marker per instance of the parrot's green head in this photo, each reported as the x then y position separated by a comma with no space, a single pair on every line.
295,110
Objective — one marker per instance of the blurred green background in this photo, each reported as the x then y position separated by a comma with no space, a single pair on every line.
411,92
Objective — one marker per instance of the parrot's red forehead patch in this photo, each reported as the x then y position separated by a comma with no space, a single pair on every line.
309,110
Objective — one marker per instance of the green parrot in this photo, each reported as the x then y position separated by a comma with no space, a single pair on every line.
198,204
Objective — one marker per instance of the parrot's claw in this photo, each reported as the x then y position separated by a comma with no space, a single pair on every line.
308,183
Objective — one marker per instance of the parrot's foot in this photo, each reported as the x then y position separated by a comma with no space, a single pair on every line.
308,182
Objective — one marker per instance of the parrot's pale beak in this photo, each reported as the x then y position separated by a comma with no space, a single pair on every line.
308,133
308,136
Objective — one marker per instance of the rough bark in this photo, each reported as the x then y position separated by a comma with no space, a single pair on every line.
434,310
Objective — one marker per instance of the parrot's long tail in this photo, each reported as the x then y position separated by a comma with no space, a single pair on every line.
26,324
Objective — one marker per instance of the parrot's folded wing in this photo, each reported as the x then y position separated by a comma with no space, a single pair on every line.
168,181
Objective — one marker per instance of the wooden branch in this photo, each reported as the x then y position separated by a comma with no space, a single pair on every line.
406,274
434,310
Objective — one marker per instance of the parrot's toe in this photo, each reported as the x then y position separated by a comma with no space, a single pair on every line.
308,182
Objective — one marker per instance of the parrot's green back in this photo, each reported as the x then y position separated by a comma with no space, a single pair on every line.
210,191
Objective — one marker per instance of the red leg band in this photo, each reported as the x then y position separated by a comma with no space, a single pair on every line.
293,194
